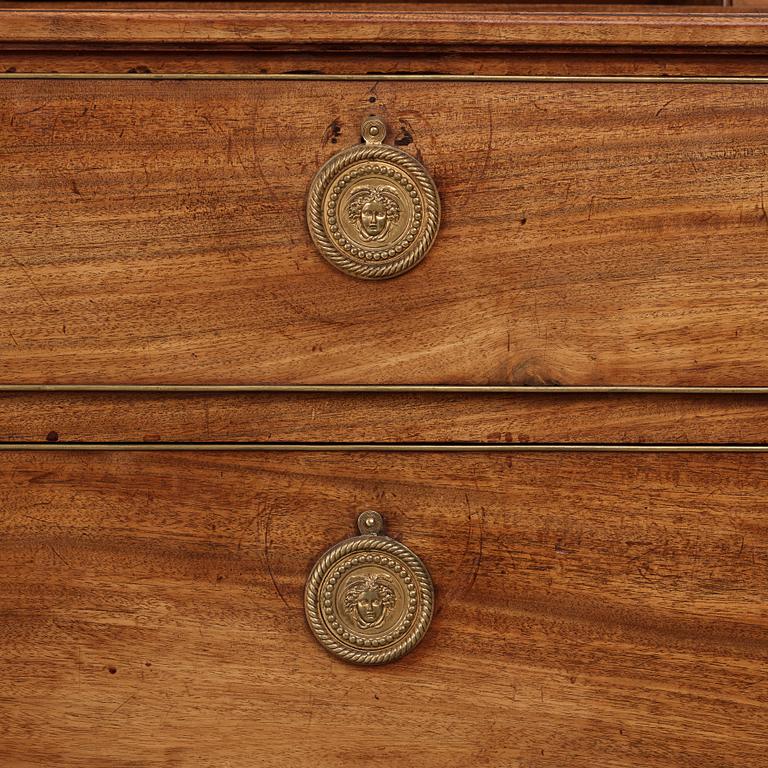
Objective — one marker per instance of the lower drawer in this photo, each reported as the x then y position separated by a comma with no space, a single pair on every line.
591,609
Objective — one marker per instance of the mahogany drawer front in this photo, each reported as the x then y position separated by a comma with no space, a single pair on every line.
593,233
592,608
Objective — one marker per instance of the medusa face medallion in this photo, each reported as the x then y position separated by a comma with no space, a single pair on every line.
373,210
369,598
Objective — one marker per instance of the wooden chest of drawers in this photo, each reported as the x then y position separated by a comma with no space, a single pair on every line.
560,407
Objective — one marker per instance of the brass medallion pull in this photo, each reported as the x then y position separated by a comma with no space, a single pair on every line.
369,598
373,210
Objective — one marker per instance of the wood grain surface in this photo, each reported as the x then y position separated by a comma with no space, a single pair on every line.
594,234
670,63
591,610
66,417
350,25
51,38
57,54
452,6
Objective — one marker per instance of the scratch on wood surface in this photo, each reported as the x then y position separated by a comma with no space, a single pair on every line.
59,555
267,542
481,534
663,107
31,282
120,706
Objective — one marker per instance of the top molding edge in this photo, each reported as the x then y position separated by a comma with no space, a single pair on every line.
346,29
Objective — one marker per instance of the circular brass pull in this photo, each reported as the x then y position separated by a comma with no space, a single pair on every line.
369,598
373,210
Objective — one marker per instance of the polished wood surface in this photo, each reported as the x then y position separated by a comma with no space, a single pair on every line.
59,55
66,417
376,62
594,233
451,6
350,25
57,37
591,609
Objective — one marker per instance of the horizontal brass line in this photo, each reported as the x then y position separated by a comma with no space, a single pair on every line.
373,388
389,447
712,80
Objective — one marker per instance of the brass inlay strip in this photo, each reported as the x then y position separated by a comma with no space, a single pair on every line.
374,388
712,80
389,447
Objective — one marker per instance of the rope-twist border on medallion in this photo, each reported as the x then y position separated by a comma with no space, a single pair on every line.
315,211
312,599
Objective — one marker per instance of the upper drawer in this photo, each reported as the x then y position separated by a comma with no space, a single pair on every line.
593,233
